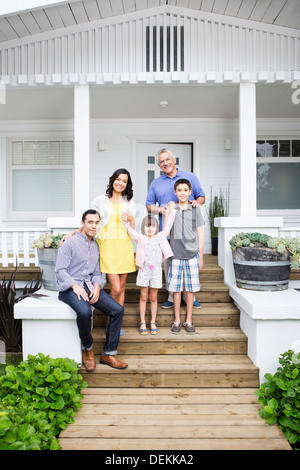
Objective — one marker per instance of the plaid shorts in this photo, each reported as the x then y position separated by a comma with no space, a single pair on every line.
184,272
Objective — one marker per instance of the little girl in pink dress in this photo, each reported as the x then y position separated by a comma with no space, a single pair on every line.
152,248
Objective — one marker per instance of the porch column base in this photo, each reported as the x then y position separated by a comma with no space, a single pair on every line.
48,327
270,320
230,226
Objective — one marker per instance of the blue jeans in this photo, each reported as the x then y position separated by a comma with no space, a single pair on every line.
108,306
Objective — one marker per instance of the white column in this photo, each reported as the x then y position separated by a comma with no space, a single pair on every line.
247,130
81,149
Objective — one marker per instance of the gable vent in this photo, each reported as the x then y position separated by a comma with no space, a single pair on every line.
165,48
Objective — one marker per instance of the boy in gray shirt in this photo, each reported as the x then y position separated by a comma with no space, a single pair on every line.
186,240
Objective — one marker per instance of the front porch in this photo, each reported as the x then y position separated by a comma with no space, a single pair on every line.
98,85
194,392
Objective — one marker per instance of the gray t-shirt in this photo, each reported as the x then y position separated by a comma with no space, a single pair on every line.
183,237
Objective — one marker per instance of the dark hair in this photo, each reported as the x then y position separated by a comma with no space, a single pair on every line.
147,221
182,181
128,191
89,211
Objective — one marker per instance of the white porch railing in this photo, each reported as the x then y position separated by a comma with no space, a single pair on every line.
16,243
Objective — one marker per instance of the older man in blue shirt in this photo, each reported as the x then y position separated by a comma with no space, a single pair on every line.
161,192
80,285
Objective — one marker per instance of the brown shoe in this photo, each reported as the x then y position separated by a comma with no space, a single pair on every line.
88,360
112,361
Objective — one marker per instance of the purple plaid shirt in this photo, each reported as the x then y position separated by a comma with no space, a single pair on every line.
78,263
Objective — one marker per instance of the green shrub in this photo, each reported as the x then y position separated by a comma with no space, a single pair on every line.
38,398
280,397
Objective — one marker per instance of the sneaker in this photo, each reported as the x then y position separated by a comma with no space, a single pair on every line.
167,304
190,329
175,328
196,304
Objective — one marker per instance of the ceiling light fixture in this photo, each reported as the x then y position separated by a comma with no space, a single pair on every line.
164,104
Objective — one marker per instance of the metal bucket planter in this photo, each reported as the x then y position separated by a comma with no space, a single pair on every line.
261,268
47,260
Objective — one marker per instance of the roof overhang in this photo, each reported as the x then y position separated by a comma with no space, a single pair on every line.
20,6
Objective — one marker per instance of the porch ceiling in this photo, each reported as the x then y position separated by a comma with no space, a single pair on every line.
50,15
143,102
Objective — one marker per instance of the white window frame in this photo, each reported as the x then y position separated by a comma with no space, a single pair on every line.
290,215
33,216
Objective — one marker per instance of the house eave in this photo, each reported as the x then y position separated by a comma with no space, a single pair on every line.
136,15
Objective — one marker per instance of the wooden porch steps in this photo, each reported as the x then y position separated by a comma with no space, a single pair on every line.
179,392
171,419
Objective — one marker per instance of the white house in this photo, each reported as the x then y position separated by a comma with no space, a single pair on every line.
90,86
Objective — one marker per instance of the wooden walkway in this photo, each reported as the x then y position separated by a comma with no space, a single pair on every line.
179,392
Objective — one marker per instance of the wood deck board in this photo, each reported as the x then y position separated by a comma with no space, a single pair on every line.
165,432
175,444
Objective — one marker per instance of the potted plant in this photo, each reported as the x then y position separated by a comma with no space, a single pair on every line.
262,262
47,246
218,207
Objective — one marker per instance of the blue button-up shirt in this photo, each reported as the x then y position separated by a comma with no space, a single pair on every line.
161,190
78,263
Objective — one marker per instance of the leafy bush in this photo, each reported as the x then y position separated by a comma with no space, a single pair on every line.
280,397
38,398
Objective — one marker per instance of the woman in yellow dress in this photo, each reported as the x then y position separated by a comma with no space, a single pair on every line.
115,245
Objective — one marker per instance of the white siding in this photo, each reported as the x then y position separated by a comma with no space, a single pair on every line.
215,166
111,51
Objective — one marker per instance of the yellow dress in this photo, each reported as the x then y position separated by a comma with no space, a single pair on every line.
115,245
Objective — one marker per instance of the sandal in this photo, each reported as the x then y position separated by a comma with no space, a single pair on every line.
153,331
143,331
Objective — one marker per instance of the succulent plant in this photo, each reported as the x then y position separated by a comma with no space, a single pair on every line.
243,239
47,240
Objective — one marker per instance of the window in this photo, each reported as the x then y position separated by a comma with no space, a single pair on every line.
278,174
40,179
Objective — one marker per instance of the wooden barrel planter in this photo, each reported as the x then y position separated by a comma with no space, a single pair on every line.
261,268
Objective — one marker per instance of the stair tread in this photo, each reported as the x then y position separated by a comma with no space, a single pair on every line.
205,286
183,364
210,308
131,334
